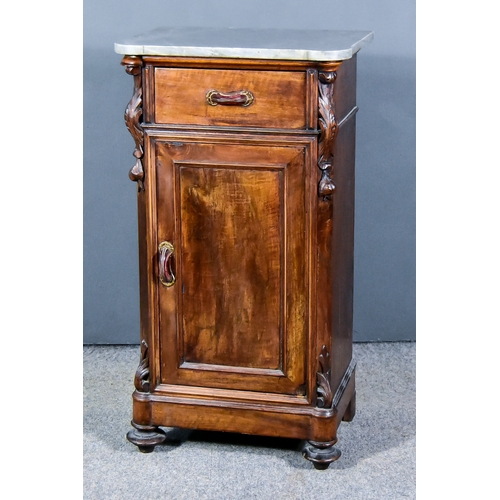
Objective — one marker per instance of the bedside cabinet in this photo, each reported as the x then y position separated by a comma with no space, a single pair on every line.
244,164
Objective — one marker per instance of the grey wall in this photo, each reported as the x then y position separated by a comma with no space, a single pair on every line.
384,293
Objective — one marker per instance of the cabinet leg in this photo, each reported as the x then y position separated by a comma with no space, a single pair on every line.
351,409
321,454
146,437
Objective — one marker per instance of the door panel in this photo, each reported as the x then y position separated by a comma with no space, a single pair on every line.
231,248
235,213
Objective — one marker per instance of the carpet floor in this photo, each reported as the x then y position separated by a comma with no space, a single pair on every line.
378,459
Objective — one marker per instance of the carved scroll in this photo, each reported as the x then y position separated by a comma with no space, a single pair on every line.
133,114
323,389
141,380
328,130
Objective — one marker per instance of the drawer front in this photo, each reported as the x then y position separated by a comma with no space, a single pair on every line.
268,99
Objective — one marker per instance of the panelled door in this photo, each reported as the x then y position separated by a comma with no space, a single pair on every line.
232,241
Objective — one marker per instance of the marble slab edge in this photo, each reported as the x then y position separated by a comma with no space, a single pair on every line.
243,53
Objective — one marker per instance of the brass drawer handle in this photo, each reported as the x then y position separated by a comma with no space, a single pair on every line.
167,276
238,98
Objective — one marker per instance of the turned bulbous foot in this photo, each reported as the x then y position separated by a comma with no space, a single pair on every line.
145,449
321,454
321,466
146,437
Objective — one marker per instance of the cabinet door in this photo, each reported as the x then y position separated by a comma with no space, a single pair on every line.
235,212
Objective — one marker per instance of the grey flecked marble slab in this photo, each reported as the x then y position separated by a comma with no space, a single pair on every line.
302,45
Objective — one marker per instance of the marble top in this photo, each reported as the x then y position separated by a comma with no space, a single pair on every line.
302,45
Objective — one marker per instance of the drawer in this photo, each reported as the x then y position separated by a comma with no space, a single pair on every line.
241,98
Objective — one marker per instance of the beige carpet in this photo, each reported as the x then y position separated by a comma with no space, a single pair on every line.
378,446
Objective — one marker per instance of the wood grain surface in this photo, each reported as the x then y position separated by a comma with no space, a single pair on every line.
232,251
278,102
255,334
236,213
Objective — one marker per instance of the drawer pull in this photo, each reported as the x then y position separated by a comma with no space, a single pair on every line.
238,98
167,276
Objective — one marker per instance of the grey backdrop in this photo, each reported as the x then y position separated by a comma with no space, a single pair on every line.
384,288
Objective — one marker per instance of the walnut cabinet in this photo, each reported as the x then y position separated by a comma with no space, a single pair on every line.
245,189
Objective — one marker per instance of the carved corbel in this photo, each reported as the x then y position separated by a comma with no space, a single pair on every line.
141,380
324,394
328,130
133,115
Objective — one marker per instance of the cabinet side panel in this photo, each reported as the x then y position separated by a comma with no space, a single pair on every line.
231,276
343,254
345,89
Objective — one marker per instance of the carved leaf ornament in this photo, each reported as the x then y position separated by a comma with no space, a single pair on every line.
141,380
133,115
328,131
323,389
